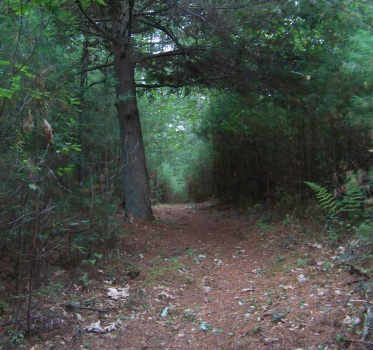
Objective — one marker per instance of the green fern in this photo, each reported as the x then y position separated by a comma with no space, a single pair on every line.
353,198
352,201
325,198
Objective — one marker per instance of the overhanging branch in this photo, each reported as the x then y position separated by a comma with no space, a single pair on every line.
105,65
165,30
178,85
90,20
162,54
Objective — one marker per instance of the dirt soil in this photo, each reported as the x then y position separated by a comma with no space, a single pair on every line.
205,277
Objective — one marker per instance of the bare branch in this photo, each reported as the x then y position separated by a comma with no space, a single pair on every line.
90,20
162,54
105,65
183,84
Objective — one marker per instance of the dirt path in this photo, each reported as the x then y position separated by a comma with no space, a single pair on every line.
202,277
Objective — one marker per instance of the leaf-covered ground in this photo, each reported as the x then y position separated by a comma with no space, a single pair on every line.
204,277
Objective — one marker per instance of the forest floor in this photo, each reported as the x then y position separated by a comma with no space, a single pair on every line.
205,277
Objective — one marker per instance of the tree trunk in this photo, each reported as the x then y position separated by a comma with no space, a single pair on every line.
83,85
136,185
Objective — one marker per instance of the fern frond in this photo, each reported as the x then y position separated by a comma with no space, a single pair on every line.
353,199
325,198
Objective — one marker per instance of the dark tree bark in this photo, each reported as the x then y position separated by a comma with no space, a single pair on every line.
83,86
136,185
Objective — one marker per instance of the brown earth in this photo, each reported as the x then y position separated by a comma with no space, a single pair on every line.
205,277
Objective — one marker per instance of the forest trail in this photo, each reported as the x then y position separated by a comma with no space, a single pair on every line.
205,277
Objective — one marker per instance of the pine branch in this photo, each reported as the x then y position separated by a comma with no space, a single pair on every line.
161,54
91,21
186,83
105,65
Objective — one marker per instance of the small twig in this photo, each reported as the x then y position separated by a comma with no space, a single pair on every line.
353,281
359,341
6,323
347,301
362,301
76,273
350,300
70,306
271,340
354,269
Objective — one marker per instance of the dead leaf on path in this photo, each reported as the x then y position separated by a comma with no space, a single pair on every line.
351,320
322,291
271,340
95,327
316,245
288,287
302,278
118,293
111,327
165,296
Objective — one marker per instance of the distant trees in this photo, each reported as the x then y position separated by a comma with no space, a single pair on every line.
178,159
307,118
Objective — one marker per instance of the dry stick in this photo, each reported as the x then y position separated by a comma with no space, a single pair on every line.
343,301
70,306
356,269
353,281
350,300
76,273
362,301
359,341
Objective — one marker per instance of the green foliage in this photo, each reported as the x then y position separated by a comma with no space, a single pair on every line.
164,272
48,133
357,252
326,199
297,105
177,158
312,113
264,224
360,249
351,202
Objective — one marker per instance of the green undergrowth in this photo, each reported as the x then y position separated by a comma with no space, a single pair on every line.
166,271
348,226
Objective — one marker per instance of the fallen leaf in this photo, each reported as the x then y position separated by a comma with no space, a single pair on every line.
118,293
316,245
351,320
288,287
302,278
111,327
95,327
165,312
